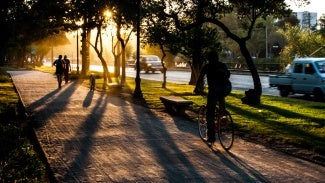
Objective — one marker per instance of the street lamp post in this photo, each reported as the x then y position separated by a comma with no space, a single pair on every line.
137,91
77,52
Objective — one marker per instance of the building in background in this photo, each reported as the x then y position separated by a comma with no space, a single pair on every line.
307,19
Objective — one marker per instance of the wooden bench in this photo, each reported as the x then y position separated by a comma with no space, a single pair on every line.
114,87
175,104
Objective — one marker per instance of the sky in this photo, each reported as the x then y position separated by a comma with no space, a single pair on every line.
314,6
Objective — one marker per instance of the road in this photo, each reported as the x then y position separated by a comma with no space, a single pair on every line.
239,82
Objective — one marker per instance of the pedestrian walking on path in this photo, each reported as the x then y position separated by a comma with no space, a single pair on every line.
67,69
59,69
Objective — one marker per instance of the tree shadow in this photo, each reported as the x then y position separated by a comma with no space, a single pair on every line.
167,150
57,99
84,137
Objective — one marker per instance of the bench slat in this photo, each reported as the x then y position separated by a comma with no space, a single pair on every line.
175,104
175,99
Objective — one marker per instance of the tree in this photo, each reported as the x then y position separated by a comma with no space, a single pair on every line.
301,43
189,14
321,23
137,90
35,19
123,14
192,43
98,46
40,48
156,34
292,20
84,12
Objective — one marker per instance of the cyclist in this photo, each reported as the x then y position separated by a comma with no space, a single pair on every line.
219,87
59,65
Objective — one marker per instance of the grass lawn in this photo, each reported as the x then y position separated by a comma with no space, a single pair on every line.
19,162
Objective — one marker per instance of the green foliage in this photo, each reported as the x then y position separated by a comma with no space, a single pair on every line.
321,23
194,14
4,78
26,22
8,97
301,43
18,160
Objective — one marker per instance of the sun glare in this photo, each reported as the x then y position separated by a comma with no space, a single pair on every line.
108,13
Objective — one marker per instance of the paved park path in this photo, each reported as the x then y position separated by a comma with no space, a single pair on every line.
95,137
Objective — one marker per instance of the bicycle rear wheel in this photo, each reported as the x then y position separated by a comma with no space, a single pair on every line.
202,122
226,131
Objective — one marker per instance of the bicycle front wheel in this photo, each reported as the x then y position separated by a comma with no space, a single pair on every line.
202,122
226,131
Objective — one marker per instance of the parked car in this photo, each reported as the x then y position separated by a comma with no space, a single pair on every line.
150,63
130,62
307,77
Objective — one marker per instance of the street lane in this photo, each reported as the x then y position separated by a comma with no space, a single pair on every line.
239,82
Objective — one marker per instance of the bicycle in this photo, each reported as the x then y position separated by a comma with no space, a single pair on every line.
224,127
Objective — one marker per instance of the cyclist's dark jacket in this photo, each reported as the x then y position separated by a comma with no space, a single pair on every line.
217,75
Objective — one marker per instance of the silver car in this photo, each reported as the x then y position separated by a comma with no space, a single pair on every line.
151,63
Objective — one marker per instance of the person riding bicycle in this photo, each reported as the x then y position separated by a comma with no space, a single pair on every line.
219,86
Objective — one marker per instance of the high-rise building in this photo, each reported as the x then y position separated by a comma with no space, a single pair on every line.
307,19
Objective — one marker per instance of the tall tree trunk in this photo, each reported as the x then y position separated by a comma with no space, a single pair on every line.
121,52
123,67
118,60
99,51
86,35
122,49
107,75
196,57
252,96
163,64
195,67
